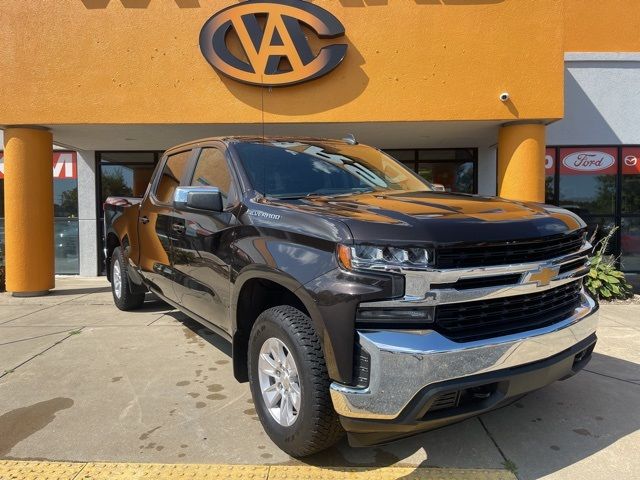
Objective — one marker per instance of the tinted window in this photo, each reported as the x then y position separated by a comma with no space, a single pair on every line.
172,172
631,180
125,174
454,168
630,239
124,180
212,171
588,180
405,156
455,176
297,169
66,235
550,175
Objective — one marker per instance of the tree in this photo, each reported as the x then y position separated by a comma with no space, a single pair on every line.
114,184
68,203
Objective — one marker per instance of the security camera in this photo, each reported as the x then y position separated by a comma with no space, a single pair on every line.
504,96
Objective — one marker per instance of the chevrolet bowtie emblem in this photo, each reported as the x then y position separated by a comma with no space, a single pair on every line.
542,276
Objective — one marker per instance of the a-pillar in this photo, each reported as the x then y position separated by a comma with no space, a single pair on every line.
28,190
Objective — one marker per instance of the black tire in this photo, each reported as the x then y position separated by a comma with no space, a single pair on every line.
317,426
124,298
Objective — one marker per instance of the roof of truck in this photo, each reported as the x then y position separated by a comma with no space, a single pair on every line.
230,139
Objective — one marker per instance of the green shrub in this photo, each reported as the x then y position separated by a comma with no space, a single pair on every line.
605,281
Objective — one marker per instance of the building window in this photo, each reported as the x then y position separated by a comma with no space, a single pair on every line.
550,176
125,174
630,209
65,211
602,185
455,168
588,180
121,174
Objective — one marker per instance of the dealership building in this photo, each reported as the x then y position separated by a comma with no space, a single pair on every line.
533,100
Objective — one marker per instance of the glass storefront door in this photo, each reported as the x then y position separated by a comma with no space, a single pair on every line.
455,168
121,174
601,185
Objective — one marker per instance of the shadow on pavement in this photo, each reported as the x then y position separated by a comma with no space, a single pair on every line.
544,432
79,291
153,304
203,332
572,422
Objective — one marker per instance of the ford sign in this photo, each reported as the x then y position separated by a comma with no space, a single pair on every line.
588,161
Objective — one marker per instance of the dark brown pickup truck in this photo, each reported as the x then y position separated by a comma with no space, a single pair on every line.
355,296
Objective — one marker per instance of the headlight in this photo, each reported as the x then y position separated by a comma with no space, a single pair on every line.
373,257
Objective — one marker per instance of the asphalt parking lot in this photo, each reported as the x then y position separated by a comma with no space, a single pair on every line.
81,381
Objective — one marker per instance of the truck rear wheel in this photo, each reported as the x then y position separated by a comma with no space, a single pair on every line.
120,283
290,384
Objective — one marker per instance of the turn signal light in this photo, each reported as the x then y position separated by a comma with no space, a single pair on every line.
344,257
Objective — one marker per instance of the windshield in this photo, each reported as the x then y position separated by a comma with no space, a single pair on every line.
301,169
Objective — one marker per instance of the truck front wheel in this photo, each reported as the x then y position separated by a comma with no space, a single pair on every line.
289,383
122,294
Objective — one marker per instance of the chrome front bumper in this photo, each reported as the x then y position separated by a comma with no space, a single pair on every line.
404,362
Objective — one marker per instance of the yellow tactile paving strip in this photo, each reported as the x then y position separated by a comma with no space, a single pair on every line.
27,470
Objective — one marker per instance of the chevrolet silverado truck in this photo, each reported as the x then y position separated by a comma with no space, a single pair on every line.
356,297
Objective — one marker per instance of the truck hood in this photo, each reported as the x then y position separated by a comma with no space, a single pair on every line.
434,217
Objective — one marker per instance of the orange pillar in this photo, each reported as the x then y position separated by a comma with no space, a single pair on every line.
521,150
28,190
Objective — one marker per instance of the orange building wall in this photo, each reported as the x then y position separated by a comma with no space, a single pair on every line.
104,62
602,25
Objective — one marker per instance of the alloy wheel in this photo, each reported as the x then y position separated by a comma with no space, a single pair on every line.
279,382
117,279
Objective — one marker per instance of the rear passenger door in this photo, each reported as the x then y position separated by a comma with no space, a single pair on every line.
202,250
156,224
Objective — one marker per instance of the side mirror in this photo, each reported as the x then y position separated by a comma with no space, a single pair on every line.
198,198
437,187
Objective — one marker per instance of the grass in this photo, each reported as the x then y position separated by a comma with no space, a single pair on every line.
511,466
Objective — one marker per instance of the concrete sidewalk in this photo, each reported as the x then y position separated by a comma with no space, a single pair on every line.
81,381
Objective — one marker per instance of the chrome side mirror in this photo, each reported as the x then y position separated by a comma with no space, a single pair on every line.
198,198
437,187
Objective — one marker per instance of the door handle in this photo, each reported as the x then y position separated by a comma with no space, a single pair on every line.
144,219
176,227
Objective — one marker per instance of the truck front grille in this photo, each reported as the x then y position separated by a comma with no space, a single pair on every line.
506,253
463,322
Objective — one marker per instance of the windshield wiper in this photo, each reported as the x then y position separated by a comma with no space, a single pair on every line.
320,193
284,197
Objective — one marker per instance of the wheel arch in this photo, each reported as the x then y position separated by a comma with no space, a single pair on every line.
256,291
111,243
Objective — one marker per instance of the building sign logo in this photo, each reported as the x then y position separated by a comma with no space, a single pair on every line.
271,48
548,162
630,160
65,165
588,161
